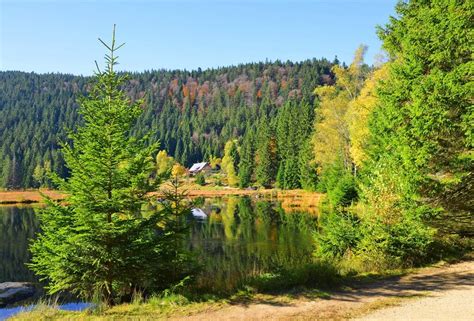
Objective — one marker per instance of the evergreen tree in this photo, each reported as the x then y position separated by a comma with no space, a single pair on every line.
307,166
246,164
265,155
291,176
421,136
101,243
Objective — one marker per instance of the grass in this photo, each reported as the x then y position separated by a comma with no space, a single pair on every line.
284,287
154,308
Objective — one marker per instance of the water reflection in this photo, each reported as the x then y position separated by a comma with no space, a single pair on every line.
243,237
17,226
234,238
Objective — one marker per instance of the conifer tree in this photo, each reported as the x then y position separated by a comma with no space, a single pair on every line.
101,242
246,164
307,166
265,155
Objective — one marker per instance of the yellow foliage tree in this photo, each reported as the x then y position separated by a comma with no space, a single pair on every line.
164,164
215,161
358,113
228,163
178,170
332,135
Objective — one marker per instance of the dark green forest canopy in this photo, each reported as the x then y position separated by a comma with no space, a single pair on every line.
192,113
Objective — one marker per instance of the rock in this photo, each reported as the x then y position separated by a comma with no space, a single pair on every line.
11,292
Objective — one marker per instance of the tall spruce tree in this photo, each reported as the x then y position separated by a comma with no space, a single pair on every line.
421,133
101,242
246,164
265,156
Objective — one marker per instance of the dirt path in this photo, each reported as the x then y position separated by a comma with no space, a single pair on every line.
436,293
445,305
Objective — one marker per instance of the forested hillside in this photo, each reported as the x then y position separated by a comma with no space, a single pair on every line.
192,114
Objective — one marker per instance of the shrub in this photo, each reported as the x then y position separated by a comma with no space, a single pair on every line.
339,184
200,179
320,274
339,234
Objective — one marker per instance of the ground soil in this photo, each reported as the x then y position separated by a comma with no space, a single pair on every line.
435,293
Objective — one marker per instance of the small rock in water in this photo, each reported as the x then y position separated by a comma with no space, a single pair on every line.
11,292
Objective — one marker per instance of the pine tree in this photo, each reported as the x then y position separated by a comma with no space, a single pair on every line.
421,137
291,176
101,243
265,156
307,166
246,164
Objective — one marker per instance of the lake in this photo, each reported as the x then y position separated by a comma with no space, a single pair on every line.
233,237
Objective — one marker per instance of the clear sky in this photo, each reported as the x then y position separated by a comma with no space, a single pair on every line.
61,36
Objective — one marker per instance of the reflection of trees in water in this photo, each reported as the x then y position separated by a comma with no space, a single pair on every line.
17,226
240,238
248,238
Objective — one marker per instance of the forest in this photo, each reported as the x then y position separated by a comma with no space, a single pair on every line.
192,114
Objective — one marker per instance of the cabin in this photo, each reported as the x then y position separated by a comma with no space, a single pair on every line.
203,167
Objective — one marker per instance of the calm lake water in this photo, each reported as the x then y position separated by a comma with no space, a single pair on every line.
233,237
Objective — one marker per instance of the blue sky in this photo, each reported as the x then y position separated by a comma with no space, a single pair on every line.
61,36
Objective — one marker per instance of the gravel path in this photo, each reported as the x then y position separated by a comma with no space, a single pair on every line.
445,305
435,293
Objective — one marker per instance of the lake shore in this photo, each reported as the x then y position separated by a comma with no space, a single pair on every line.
311,199
15,197
362,297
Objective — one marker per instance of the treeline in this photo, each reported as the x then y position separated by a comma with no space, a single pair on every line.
394,146
192,113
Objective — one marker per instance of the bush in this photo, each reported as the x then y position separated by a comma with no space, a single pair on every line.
407,242
339,184
200,179
321,274
340,234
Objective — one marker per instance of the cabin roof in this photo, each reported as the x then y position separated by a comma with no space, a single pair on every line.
198,167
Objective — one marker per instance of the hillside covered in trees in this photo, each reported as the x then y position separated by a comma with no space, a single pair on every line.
192,114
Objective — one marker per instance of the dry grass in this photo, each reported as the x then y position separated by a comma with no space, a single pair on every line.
28,196
291,200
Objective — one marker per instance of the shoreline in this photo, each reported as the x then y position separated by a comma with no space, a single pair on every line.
34,196
360,297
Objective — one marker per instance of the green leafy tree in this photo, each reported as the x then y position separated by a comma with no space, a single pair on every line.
101,243
291,176
424,120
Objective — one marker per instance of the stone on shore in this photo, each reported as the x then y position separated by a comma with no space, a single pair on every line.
12,292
